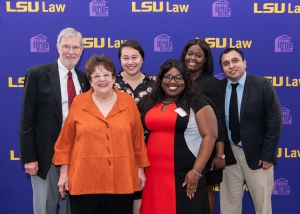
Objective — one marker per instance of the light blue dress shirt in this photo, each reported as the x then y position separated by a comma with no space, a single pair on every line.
239,91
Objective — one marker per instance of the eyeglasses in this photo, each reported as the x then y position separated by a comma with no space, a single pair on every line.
177,78
68,48
98,76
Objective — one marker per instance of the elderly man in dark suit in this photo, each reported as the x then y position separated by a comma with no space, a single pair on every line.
254,123
48,92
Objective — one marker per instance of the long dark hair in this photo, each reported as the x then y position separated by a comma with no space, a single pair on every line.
208,67
185,99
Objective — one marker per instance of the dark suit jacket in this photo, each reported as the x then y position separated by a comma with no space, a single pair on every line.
41,114
260,120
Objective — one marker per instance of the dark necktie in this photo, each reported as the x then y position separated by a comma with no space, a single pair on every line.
234,124
71,89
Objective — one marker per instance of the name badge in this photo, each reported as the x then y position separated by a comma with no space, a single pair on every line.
181,112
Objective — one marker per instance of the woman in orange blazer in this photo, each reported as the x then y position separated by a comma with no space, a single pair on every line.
101,147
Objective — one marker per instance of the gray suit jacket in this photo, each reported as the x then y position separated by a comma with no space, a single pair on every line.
260,120
41,114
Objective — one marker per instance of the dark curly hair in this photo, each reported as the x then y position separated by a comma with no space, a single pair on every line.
208,67
185,99
97,60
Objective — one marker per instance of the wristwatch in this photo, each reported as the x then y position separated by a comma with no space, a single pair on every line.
221,156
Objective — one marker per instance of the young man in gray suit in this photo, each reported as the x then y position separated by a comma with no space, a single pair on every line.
254,123
45,105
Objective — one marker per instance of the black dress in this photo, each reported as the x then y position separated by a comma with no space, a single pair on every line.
211,87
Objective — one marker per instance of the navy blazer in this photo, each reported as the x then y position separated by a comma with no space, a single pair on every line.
41,114
260,120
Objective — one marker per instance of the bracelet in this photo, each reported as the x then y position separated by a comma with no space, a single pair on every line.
196,174
221,156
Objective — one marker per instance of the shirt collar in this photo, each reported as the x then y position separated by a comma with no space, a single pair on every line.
63,71
241,81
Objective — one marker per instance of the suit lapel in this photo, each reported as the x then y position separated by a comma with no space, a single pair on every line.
247,89
224,84
81,79
55,84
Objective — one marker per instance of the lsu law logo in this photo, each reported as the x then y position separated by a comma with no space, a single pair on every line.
284,81
34,7
102,42
281,187
283,44
228,42
12,155
286,117
19,84
288,153
221,9
39,43
98,8
153,6
276,8
162,43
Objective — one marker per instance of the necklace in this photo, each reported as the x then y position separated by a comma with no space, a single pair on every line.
138,79
104,101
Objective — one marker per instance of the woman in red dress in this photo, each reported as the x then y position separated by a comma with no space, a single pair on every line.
182,130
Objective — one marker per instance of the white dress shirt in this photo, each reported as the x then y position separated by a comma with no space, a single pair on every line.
63,78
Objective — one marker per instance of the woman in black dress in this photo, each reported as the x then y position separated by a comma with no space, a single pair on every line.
198,58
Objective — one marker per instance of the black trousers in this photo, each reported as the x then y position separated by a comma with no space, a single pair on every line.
102,204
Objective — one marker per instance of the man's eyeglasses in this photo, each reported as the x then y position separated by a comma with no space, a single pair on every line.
98,76
68,48
177,78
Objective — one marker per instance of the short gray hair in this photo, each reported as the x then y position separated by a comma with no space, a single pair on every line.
69,32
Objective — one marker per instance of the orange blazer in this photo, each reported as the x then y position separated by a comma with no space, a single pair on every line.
103,154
